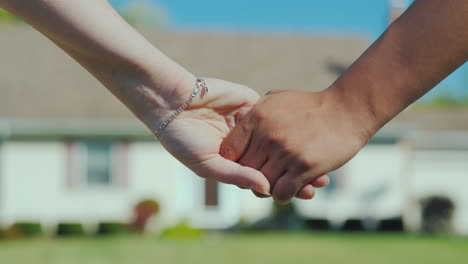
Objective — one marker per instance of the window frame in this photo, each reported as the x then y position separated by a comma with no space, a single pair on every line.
84,164
77,165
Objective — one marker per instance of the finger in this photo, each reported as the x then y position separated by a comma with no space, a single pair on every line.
230,172
307,192
274,168
255,156
236,142
289,184
259,195
286,187
321,181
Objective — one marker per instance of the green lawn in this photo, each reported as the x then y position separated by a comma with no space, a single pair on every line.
268,248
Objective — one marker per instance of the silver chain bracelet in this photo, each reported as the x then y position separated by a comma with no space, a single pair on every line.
200,85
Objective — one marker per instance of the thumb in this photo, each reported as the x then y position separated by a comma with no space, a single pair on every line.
230,172
236,142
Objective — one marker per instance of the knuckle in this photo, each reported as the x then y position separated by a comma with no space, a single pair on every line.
289,150
226,151
271,174
281,143
277,140
247,161
305,163
260,115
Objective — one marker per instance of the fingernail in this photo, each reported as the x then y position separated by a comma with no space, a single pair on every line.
263,190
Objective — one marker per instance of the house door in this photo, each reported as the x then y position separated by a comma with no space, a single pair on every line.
211,193
214,205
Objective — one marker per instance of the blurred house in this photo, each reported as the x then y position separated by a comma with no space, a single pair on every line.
69,151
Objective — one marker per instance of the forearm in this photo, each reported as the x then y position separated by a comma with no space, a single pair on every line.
90,31
418,51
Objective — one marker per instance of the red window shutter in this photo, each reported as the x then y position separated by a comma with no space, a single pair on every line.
70,166
121,165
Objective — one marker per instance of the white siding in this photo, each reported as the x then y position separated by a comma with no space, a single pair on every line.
34,189
370,187
234,205
154,173
32,180
181,192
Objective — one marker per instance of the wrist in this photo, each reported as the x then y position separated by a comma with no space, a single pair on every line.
356,111
173,95
377,86
152,96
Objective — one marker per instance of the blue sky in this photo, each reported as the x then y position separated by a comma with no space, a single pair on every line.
339,16
363,17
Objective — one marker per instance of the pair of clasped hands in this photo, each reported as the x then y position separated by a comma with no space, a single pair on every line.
281,145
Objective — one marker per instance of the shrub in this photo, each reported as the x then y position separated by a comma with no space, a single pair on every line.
284,217
182,231
70,229
391,225
27,228
143,211
317,224
353,225
111,228
437,214
10,233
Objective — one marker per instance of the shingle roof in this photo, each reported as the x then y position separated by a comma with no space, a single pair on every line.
40,82
37,80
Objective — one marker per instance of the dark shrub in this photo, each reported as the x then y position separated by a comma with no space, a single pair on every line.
352,225
437,214
3,234
391,225
111,228
284,217
317,224
27,228
70,229
143,211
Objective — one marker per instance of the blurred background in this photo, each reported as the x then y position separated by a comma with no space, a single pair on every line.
82,181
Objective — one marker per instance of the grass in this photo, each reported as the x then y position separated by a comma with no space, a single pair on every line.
271,248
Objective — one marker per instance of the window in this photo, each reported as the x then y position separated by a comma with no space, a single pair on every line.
98,160
94,163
